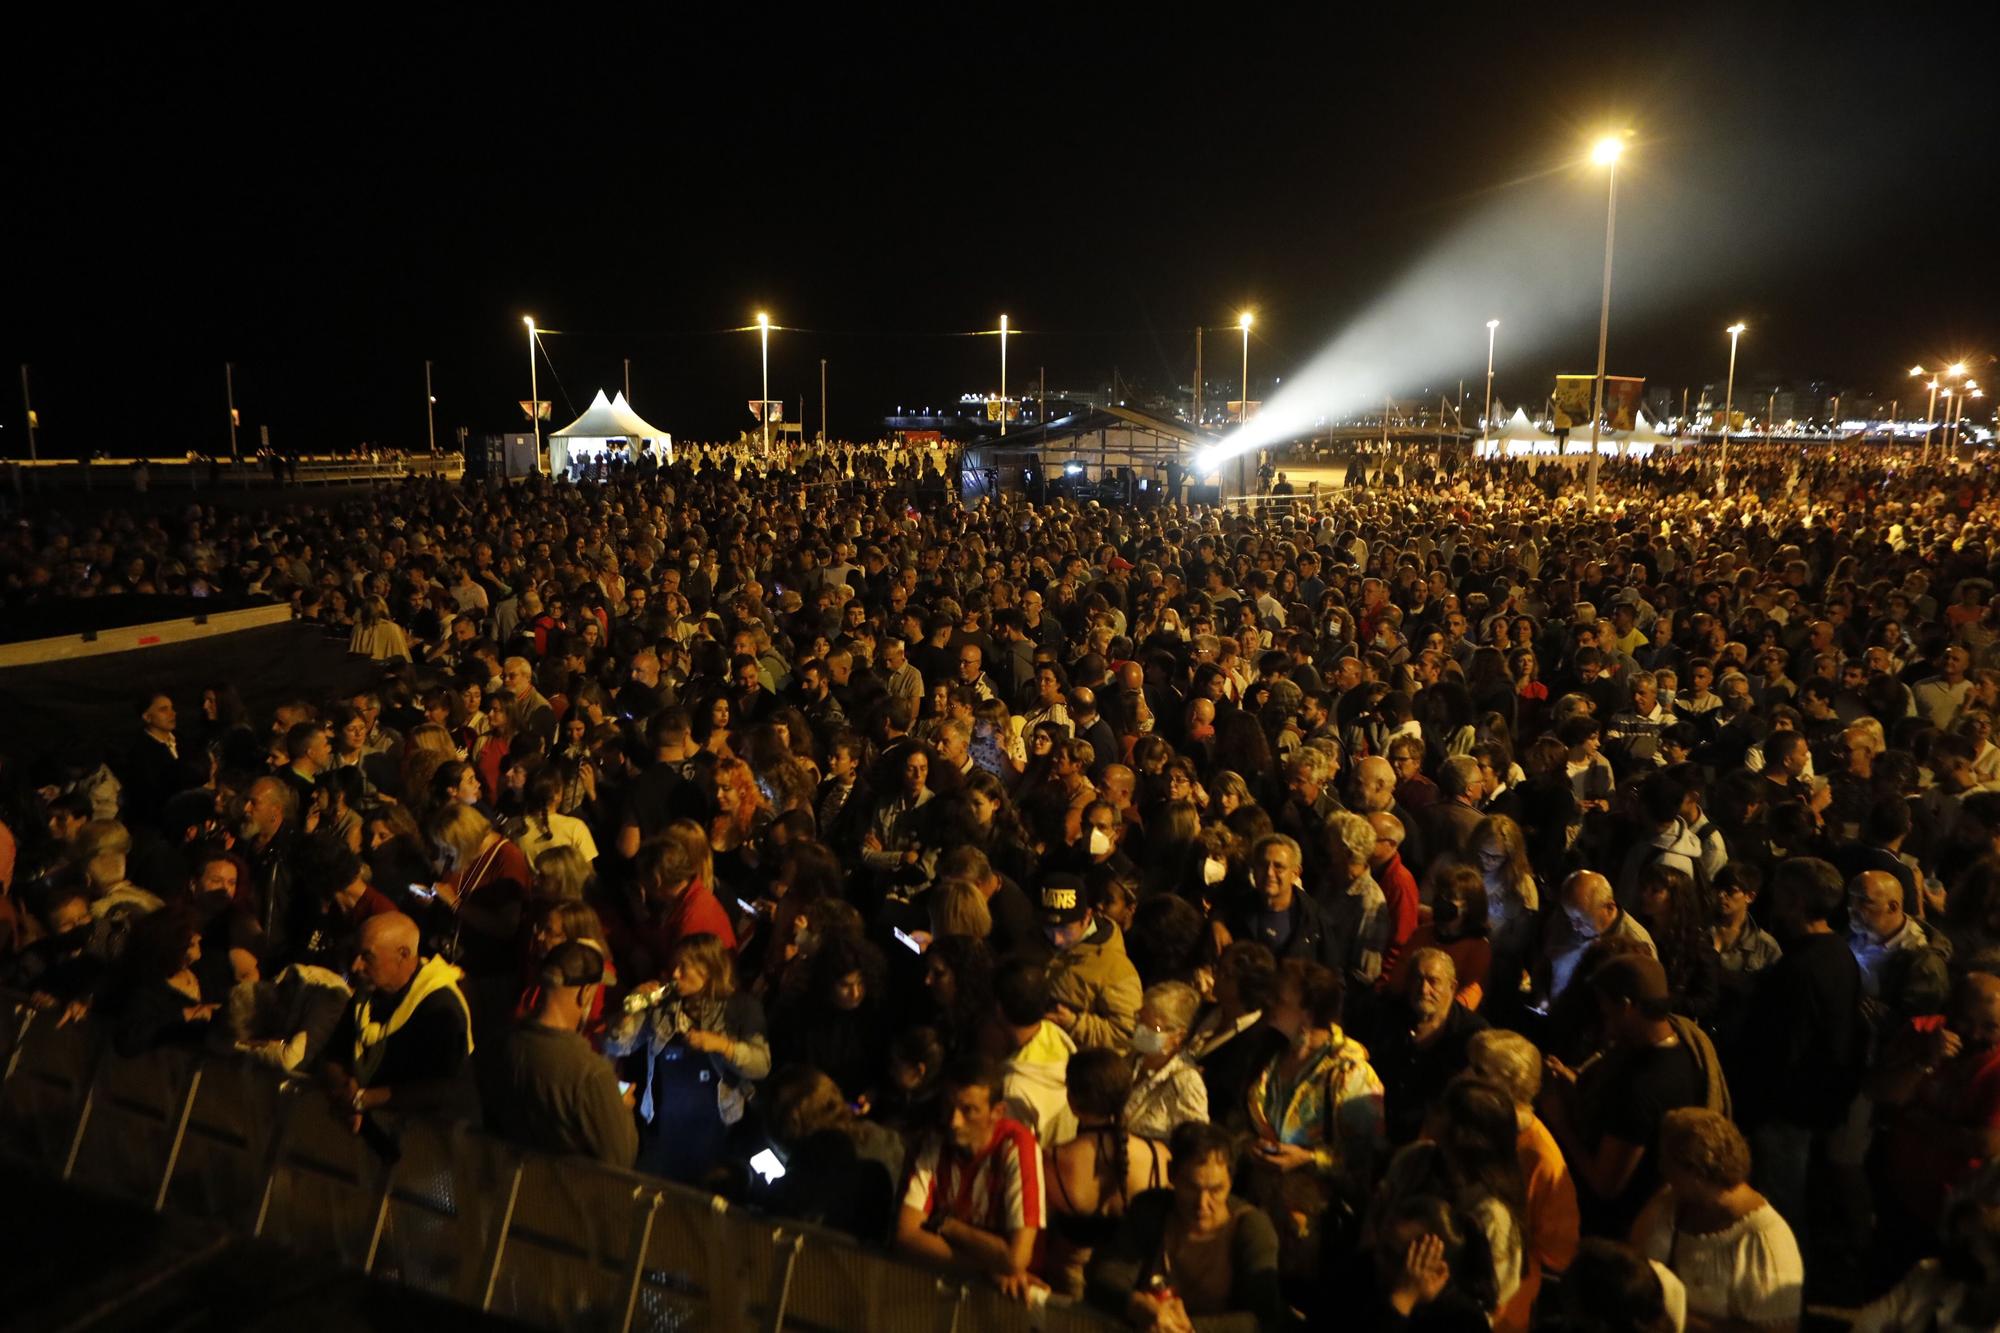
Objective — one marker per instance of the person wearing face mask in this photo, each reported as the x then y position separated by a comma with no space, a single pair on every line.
1167,1088
1094,990
552,1092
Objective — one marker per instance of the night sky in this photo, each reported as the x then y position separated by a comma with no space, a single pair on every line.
329,206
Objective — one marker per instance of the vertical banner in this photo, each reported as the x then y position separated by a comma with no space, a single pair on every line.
1623,395
1572,401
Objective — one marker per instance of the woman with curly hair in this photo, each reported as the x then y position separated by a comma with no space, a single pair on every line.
980,815
836,1024
1679,922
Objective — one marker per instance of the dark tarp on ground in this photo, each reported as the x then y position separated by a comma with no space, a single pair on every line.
88,705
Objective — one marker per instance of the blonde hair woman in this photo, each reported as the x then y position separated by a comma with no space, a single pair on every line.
704,1041
561,875
959,908
479,900
376,636
1499,852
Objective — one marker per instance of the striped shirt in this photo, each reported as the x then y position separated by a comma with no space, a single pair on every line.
998,1189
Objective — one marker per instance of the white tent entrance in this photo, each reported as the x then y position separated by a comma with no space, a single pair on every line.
606,422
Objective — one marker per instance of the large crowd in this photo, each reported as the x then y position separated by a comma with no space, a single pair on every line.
1436,903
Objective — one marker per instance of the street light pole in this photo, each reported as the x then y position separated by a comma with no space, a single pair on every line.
1606,155
1930,420
822,400
1937,379
534,390
1728,405
430,410
1244,322
229,393
28,405
1003,374
1486,417
764,403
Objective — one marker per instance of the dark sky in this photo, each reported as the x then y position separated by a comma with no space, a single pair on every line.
328,206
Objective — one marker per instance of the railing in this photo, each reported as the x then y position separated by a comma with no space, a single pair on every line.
178,473
555,1242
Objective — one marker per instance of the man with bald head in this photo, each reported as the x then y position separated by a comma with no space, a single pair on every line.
1590,913
1879,929
405,1043
1375,792
1089,724
1399,887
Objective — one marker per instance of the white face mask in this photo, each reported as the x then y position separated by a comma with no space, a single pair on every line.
1100,842
1214,870
1148,1041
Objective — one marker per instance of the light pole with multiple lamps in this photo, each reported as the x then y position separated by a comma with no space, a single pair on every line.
1605,153
1735,331
1937,381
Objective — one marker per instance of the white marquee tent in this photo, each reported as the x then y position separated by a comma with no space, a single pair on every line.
1518,437
604,422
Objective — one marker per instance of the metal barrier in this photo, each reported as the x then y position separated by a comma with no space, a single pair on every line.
554,1243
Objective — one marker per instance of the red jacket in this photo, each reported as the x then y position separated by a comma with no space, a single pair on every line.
641,941
1399,887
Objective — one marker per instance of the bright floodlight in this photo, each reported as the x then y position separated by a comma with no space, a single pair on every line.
1736,328
1245,320
529,320
1956,368
763,320
1003,323
1607,150
1916,371
1492,323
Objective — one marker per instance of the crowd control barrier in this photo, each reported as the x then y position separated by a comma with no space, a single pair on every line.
558,1243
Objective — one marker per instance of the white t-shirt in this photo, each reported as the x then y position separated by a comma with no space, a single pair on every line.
1750,1270
564,831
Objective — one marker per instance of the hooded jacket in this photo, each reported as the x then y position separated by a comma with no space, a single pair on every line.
1096,979
1037,1085
1675,846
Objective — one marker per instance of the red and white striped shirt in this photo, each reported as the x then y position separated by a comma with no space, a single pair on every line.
999,1189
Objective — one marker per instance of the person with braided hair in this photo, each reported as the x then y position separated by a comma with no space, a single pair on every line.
1094,1175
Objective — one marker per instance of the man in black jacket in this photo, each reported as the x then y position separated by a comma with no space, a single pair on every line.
1801,1064
1277,913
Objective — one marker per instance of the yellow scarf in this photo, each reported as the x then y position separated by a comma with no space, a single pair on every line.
371,1039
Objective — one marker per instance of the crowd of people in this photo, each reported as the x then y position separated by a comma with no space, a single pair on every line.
1447,904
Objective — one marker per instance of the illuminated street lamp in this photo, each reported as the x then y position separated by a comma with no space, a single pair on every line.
1243,322
1735,331
1937,383
1003,375
764,403
1971,390
1605,153
1486,420
534,392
